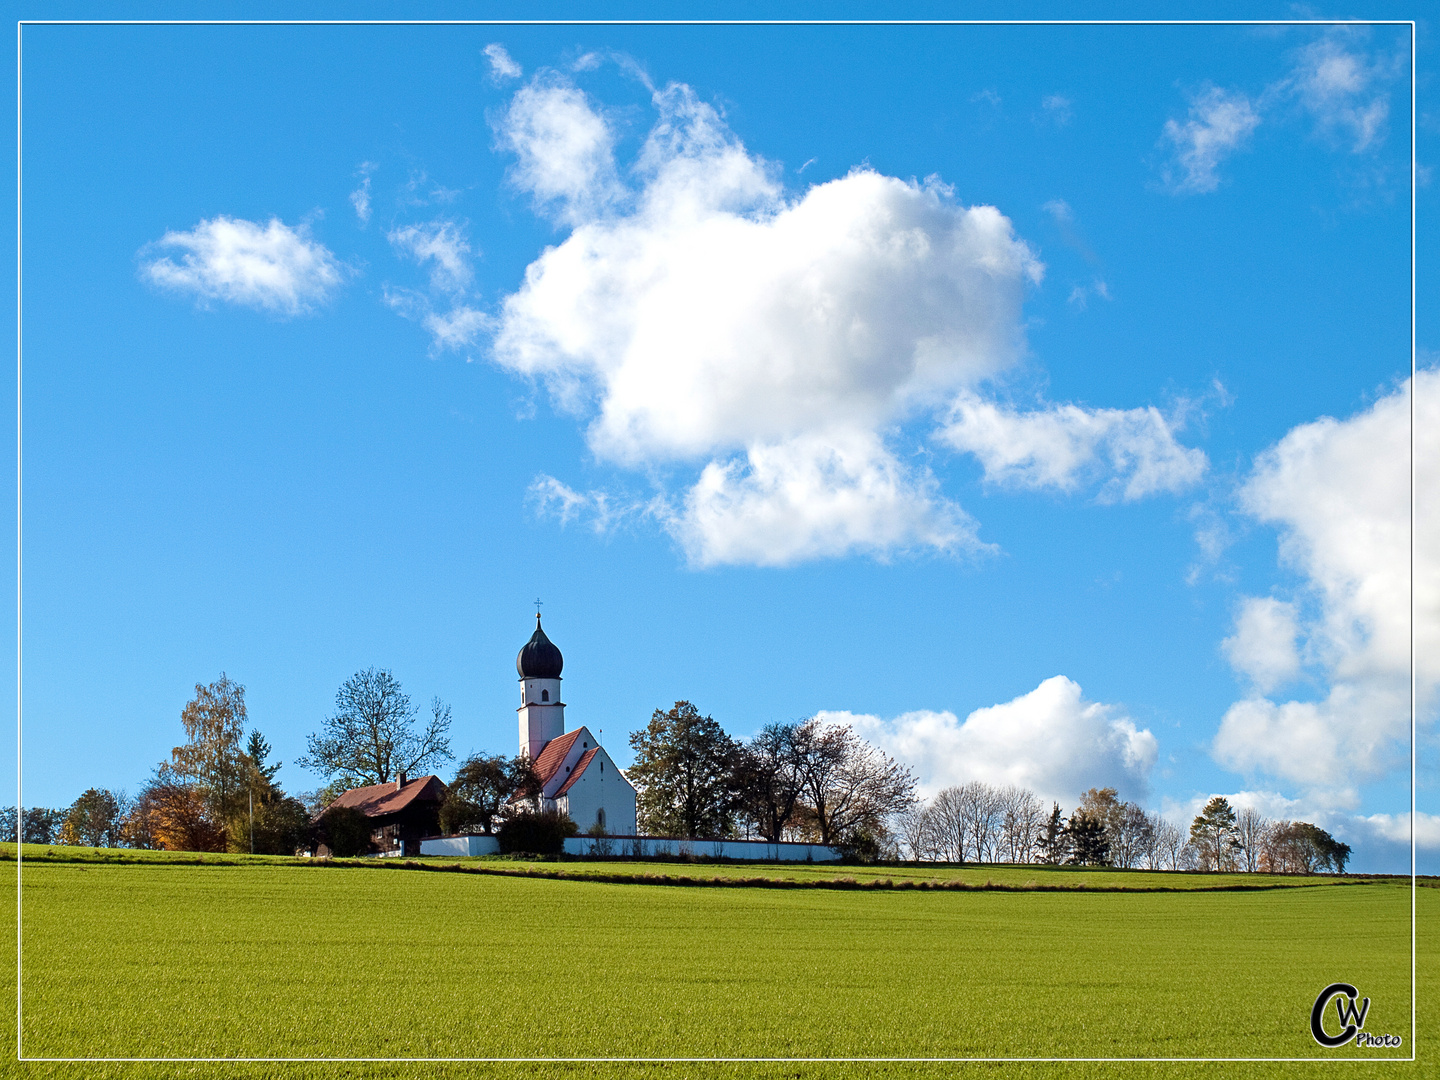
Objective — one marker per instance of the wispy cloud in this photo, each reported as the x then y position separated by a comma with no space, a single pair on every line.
443,245
1219,123
272,267
360,197
1333,80
1338,87
502,66
1056,110
1130,453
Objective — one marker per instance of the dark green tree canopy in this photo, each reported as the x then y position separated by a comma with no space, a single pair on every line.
536,833
1214,834
1311,848
373,735
257,749
93,820
483,786
769,777
683,774
1089,846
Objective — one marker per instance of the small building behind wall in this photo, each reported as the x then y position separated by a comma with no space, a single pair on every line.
400,812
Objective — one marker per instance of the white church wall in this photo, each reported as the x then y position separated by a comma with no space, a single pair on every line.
601,785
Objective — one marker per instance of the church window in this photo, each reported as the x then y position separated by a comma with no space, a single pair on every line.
544,695
600,817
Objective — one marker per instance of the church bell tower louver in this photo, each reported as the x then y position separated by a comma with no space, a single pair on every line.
542,713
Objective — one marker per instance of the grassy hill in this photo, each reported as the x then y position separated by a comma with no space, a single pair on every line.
139,954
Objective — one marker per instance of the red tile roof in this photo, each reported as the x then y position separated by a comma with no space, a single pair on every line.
553,756
376,800
585,759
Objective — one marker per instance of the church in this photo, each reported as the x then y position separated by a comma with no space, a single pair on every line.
577,776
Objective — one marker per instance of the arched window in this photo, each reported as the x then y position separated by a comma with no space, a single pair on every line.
600,817
544,695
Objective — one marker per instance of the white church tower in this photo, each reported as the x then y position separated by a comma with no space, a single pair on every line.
577,776
542,713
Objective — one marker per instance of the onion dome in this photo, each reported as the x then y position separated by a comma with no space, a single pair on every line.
539,659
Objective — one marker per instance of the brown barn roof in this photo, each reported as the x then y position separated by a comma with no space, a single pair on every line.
585,759
377,800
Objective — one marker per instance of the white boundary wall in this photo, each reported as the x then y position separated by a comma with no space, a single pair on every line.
460,846
641,847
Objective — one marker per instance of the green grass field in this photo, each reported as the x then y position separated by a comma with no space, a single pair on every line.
146,955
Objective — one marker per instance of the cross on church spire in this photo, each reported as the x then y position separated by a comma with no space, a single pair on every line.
537,609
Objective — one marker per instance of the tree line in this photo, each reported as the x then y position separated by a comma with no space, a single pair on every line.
978,822
802,781
218,791
807,781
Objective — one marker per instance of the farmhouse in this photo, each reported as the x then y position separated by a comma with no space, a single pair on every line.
400,812
577,776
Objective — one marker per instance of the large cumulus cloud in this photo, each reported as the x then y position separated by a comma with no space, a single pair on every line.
1051,740
785,355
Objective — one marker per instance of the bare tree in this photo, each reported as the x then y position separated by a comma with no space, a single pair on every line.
372,737
1022,816
850,784
769,779
1130,836
1152,853
1252,830
946,823
1170,842
982,808
916,828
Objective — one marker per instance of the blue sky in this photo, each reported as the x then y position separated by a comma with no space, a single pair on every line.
1032,397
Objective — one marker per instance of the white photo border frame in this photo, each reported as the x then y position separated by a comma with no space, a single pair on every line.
19,506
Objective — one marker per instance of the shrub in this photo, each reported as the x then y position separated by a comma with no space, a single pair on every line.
858,846
345,831
543,833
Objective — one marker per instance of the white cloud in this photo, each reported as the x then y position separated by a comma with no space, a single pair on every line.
459,327
360,197
1395,828
1263,646
442,243
774,342
502,66
1337,87
272,267
443,247
564,150
1271,804
1060,210
1339,493
1050,740
1133,451
552,498
1218,125
816,496
1056,109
